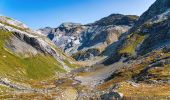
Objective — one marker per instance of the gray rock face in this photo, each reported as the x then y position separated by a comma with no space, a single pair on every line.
28,43
156,21
160,6
18,46
150,33
74,38
90,53
112,96
46,31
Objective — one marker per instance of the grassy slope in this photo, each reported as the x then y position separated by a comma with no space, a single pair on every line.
39,67
133,41
31,71
71,65
143,90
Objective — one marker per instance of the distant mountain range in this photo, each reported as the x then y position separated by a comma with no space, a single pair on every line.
85,42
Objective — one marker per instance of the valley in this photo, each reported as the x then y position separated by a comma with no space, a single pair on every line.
119,57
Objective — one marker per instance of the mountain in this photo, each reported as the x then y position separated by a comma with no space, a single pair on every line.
151,40
83,42
117,19
150,33
27,57
138,66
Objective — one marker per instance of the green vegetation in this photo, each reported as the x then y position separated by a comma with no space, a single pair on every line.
162,73
133,42
70,65
39,67
4,88
42,67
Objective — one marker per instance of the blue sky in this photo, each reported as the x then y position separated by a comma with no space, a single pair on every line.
42,13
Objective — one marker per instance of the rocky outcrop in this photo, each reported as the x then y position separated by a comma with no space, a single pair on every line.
149,74
150,33
112,96
86,55
159,7
74,38
154,25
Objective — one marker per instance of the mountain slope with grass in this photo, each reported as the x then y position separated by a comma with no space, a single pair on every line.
27,55
29,62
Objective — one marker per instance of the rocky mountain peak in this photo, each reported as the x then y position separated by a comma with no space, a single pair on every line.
149,34
82,41
160,6
45,31
69,25
117,19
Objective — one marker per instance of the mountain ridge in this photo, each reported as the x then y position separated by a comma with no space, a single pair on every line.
85,42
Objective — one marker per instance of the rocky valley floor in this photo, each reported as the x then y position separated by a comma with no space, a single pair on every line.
87,85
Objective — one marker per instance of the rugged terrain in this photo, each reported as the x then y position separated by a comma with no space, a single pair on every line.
140,59
136,67
29,62
84,42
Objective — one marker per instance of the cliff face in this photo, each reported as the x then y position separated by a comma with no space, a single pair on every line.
77,40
